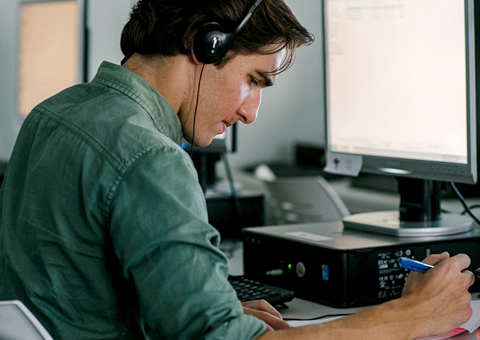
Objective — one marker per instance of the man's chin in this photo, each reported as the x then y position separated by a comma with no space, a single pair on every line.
203,143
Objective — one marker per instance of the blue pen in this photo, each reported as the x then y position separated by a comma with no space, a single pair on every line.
414,265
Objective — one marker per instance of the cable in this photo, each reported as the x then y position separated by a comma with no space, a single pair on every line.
475,206
223,155
235,201
196,106
464,203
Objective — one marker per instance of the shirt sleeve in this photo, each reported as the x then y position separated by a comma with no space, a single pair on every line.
169,252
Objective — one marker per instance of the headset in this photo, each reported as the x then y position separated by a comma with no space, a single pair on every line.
212,41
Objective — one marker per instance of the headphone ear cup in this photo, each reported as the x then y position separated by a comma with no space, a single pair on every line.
211,43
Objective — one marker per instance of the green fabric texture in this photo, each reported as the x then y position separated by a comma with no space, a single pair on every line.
104,231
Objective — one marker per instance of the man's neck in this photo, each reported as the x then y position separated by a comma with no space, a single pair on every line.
174,77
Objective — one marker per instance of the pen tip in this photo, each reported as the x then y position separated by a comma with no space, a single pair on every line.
477,272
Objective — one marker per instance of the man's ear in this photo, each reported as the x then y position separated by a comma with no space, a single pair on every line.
211,43
193,56
194,41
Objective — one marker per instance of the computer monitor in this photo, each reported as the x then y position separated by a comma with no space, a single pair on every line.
401,100
52,49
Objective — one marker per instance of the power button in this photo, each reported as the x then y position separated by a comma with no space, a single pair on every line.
300,269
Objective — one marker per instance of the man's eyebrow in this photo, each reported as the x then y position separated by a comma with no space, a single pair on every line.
267,80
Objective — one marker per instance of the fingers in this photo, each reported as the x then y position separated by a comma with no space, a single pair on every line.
453,269
435,259
262,305
463,261
456,263
449,273
460,261
262,310
471,277
442,291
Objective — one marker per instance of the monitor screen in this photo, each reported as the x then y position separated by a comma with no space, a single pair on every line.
51,49
400,90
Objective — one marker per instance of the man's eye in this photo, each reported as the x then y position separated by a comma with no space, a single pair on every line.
253,81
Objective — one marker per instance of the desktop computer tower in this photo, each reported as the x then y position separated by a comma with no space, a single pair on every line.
324,263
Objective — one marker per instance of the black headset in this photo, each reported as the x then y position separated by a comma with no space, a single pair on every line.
212,42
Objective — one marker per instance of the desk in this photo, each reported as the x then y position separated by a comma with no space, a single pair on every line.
300,308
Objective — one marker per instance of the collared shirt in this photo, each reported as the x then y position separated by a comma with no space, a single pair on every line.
104,231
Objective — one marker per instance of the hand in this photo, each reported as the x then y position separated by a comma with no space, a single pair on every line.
441,293
262,310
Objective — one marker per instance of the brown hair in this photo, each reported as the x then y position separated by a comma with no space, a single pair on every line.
167,28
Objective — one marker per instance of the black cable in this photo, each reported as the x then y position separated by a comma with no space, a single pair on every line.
235,201
195,114
464,203
223,155
471,207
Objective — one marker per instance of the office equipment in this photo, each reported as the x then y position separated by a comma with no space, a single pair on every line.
398,102
248,290
223,214
52,49
303,200
225,209
206,158
18,323
325,263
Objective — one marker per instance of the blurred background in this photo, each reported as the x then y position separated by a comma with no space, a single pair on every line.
291,111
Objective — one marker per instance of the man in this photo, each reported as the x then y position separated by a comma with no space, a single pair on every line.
104,231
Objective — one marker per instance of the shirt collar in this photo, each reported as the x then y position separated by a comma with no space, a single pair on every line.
138,89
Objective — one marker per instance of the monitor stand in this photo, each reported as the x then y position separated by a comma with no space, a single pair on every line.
389,223
419,214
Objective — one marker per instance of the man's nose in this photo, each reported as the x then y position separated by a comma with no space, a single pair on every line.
249,109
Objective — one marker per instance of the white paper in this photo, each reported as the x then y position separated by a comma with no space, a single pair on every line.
474,322
312,322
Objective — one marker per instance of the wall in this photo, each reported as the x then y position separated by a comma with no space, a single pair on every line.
9,121
291,111
106,19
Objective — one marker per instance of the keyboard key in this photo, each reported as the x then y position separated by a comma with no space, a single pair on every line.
248,290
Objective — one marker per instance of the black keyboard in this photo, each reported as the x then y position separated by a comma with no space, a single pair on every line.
248,290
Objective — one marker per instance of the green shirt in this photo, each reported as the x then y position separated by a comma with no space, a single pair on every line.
104,231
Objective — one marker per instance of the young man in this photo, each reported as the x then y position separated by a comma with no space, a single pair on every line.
104,231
